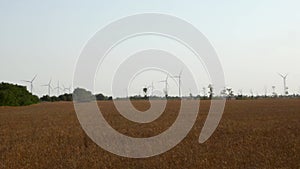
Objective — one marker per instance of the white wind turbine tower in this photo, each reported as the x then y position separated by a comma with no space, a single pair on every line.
285,88
152,88
204,91
49,87
166,85
31,82
179,83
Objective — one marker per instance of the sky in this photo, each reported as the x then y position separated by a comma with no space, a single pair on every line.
254,40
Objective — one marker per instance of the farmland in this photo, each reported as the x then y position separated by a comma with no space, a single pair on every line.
252,134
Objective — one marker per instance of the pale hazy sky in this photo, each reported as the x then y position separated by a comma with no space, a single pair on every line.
254,39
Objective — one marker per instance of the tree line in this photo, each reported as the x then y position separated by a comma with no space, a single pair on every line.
17,95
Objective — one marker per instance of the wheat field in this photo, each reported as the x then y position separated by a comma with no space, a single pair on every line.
251,134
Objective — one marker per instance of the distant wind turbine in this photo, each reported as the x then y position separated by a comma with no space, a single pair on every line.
49,87
179,82
58,88
31,82
285,88
67,89
166,85
152,88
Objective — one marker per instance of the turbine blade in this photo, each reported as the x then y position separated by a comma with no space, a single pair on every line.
33,78
286,75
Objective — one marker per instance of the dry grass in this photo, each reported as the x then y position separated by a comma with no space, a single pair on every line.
252,134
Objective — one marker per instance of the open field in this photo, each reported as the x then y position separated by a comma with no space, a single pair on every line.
251,134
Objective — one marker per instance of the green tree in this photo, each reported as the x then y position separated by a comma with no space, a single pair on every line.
82,95
145,90
100,97
16,95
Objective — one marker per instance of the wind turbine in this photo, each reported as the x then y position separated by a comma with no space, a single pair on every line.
58,88
179,82
67,89
49,87
204,91
31,82
166,85
150,87
285,88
